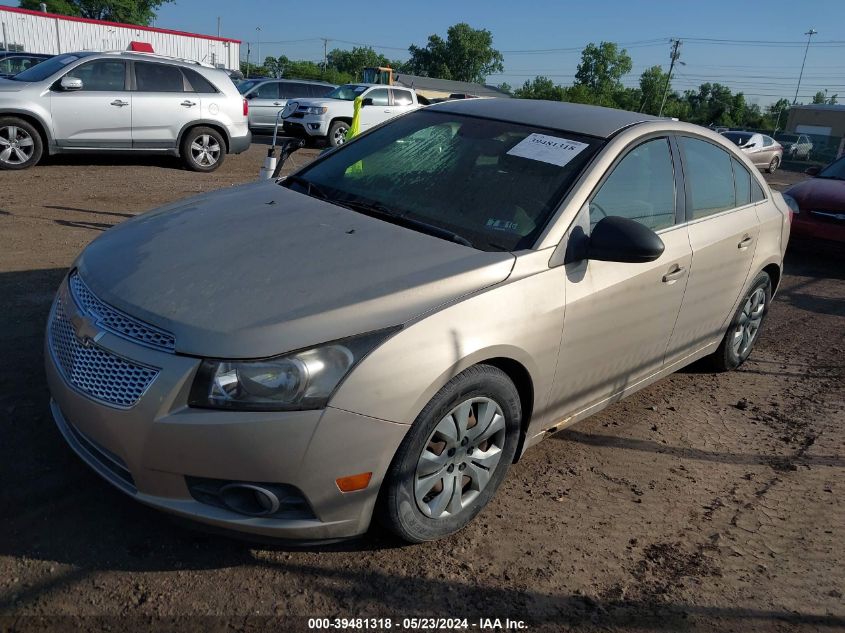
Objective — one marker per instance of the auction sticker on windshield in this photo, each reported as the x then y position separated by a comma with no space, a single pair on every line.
549,149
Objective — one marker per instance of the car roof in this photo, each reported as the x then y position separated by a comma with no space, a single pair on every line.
316,82
573,117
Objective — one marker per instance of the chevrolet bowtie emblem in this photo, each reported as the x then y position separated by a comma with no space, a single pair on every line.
85,329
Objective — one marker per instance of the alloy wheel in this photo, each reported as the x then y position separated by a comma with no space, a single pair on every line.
16,145
205,150
340,135
459,458
748,327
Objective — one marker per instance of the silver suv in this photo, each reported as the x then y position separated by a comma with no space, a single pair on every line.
268,97
121,102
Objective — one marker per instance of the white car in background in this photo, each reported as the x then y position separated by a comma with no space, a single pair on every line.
329,118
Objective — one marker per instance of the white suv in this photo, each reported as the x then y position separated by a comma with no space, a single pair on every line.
329,118
121,102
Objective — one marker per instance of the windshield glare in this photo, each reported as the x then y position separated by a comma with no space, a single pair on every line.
834,170
492,183
46,68
347,92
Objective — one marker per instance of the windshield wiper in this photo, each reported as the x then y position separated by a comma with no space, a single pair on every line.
378,210
310,188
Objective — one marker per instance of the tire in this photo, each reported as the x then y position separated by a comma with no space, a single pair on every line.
733,351
20,144
198,149
773,165
337,133
429,511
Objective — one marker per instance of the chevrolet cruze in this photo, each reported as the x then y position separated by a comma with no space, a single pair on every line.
383,333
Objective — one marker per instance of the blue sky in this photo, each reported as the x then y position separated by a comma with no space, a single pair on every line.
763,71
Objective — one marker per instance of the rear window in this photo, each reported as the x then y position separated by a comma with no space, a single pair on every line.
197,82
709,177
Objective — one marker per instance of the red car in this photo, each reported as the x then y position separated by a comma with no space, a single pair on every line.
820,204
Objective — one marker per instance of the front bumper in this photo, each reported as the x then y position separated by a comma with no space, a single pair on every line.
148,450
306,126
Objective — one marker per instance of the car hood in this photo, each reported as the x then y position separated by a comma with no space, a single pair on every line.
8,85
260,270
823,194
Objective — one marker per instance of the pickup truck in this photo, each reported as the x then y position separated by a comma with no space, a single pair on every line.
330,117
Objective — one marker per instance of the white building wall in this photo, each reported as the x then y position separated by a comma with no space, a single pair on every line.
52,35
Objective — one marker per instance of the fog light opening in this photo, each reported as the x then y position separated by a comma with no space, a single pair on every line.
250,499
352,483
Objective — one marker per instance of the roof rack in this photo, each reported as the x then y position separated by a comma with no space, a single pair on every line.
160,56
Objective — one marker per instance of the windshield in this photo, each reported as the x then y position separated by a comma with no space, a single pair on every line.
491,184
739,138
246,86
347,92
835,170
46,68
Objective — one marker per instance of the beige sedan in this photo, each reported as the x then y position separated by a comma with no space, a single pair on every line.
386,331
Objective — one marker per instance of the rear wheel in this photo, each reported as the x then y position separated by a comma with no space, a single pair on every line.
773,165
337,133
454,456
203,149
20,144
744,329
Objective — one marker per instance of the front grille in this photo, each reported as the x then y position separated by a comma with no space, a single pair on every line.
93,370
117,322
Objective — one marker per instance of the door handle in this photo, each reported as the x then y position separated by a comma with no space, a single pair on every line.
743,244
276,103
188,104
675,273
119,103
388,111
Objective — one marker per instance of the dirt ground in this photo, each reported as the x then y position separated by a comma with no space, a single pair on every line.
705,502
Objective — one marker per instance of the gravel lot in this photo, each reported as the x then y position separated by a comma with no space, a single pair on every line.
705,502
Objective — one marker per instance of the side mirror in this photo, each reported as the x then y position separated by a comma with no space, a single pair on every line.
69,83
617,239
367,101
812,171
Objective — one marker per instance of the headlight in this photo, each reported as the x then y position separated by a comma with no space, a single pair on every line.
314,109
295,381
792,203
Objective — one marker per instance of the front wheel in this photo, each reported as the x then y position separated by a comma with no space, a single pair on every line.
203,149
20,144
744,329
454,456
337,133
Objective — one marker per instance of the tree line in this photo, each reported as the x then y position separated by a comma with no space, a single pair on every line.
467,54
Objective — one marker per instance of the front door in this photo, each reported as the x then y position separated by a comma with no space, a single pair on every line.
100,114
380,109
723,230
163,104
619,316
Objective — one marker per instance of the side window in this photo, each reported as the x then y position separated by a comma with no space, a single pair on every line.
198,82
709,178
101,75
151,77
287,90
756,191
379,96
268,90
742,183
298,90
641,187
320,91
767,141
402,97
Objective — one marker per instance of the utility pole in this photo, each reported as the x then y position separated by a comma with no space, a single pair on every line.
259,62
809,35
325,54
218,26
674,55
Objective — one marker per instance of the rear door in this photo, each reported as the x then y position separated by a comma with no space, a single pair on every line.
723,232
619,316
163,104
99,116
264,103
